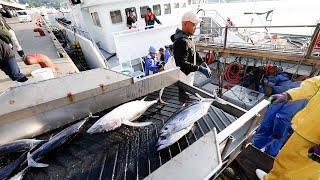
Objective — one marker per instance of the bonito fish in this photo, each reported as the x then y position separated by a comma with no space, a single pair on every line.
181,122
124,114
19,145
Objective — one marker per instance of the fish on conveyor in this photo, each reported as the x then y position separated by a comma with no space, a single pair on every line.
19,145
8,169
181,122
124,114
28,160
54,142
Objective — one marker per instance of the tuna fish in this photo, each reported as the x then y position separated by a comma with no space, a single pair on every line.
54,142
6,171
124,114
19,145
28,160
181,122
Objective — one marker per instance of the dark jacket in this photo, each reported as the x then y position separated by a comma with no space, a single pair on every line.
184,51
5,50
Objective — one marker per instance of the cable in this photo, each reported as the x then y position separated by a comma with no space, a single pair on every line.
232,73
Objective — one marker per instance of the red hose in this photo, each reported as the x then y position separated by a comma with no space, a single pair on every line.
232,73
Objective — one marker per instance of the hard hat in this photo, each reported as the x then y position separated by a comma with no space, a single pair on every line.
152,50
191,17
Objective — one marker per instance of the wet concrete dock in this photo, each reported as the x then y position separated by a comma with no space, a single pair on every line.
33,43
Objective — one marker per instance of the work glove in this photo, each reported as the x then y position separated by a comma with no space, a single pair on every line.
21,53
205,70
279,98
314,153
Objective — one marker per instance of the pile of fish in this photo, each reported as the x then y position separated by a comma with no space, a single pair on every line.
179,124
35,150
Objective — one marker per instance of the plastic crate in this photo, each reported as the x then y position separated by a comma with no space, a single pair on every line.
243,97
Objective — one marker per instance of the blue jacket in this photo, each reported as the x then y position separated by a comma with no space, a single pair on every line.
167,55
150,65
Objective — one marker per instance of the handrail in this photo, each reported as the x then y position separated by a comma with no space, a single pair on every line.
285,26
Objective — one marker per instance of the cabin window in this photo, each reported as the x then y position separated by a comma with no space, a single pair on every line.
189,2
183,5
157,10
194,1
95,19
176,5
133,9
143,11
116,16
167,8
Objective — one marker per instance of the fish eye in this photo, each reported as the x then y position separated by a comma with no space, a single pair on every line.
165,128
162,137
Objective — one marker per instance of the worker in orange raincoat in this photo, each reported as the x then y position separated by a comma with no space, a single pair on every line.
300,156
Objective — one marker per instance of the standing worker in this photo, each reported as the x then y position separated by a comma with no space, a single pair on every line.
131,19
184,51
8,62
7,30
300,156
150,18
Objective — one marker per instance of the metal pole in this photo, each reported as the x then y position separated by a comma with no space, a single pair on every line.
313,41
226,147
225,37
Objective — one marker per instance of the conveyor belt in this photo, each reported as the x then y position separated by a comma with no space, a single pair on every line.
126,153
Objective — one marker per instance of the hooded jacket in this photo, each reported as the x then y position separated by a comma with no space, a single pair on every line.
184,51
306,122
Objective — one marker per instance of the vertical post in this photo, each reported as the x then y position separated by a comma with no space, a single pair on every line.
227,146
225,37
313,41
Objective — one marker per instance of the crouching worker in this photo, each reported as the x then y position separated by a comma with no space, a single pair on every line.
300,156
8,63
151,62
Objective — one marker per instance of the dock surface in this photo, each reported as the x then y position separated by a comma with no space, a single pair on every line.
32,43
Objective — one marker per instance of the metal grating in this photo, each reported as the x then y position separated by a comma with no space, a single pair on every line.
126,153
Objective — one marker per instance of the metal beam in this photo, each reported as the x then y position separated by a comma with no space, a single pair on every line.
313,41
285,57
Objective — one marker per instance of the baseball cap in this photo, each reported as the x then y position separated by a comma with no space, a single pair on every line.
191,17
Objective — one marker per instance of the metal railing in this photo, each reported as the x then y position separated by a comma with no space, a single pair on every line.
256,38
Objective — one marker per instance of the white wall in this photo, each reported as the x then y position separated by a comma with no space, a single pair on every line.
286,12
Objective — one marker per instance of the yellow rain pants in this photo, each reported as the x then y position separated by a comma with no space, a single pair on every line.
293,162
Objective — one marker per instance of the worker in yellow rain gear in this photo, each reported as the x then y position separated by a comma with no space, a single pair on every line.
300,156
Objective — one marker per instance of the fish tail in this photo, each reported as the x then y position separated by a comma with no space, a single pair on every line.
33,163
160,97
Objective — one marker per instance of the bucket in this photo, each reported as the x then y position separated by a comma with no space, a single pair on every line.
42,74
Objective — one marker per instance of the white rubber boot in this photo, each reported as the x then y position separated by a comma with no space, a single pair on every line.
260,174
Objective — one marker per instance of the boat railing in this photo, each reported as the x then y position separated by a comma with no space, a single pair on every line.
87,35
256,38
143,29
